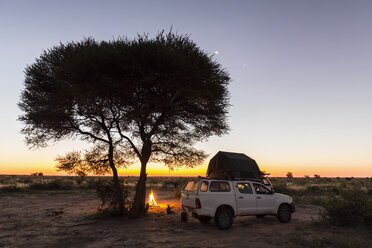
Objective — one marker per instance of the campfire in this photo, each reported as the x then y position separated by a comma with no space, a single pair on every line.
152,201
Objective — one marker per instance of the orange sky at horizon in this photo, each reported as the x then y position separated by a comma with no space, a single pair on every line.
275,170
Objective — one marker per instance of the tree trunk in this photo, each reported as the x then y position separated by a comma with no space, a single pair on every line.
139,206
118,189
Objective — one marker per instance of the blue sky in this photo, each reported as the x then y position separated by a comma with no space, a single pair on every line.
301,74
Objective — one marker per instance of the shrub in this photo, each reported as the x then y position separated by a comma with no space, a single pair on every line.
289,174
351,207
107,194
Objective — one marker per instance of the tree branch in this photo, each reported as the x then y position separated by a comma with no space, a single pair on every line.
88,133
129,140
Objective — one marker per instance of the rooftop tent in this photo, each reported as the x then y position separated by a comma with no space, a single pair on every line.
233,165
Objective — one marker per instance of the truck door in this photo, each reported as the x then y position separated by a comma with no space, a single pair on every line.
246,200
265,199
188,194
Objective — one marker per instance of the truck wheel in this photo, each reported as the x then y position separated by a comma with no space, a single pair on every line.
223,218
184,216
204,219
284,213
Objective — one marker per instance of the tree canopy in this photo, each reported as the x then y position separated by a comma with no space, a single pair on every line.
152,97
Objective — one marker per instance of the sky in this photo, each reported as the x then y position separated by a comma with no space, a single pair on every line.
301,89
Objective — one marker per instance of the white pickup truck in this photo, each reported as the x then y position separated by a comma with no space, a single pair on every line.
224,199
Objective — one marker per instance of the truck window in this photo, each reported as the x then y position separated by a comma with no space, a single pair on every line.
217,186
260,189
204,186
245,188
266,182
191,186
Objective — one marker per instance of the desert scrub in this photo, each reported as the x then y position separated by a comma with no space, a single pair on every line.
9,189
177,192
55,184
340,239
7,180
94,182
284,189
351,207
107,195
176,182
25,180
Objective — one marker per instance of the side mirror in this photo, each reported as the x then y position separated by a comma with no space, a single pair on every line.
272,191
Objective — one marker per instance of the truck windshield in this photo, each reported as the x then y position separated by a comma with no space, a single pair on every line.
191,186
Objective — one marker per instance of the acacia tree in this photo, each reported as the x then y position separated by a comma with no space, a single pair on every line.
165,94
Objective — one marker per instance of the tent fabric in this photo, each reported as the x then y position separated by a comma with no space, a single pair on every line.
229,165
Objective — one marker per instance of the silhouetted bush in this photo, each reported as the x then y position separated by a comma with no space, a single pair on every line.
106,193
351,207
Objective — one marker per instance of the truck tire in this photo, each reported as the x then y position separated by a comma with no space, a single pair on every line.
284,213
223,218
204,219
184,216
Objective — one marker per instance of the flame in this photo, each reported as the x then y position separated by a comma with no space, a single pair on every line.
152,201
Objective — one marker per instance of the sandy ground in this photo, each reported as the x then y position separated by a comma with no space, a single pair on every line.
65,220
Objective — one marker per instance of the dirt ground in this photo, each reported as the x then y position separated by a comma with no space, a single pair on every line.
66,220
